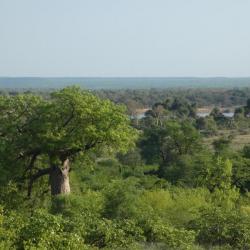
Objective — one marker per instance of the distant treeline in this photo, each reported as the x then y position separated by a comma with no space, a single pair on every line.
139,98
202,97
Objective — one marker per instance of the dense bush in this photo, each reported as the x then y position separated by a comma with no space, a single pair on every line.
219,226
169,190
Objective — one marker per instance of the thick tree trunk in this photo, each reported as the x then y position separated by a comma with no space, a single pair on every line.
59,180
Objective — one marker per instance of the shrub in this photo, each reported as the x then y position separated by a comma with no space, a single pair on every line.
113,234
171,237
46,231
71,205
219,226
120,197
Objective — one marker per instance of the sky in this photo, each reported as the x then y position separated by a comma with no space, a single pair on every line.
122,38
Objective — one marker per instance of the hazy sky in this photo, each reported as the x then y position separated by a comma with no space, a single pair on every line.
124,37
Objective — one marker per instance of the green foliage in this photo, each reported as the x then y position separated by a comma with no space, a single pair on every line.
219,226
221,145
171,191
170,141
11,224
241,171
218,178
119,199
176,206
246,151
171,238
132,158
71,205
45,231
207,125
201,96
38,134
114,234
179,146
217,175
10,196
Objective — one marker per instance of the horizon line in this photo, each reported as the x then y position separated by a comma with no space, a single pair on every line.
229,77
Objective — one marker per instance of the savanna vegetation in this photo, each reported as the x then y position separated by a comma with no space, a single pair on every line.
78,172
139,98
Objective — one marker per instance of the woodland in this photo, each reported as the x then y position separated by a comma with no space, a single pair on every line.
79,170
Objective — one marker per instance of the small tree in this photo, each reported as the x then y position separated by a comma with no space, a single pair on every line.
222,145
167,144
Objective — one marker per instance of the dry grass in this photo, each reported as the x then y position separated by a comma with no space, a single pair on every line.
238,141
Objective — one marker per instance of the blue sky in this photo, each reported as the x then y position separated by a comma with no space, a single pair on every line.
125,38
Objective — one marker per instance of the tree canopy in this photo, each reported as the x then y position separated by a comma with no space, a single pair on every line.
38,135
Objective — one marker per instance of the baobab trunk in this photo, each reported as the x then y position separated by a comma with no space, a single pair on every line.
59,179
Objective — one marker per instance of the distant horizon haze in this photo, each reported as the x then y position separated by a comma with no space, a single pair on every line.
123,82
122,76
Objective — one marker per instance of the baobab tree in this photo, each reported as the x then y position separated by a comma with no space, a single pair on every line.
42,137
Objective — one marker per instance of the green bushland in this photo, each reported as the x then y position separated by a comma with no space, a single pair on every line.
153,185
